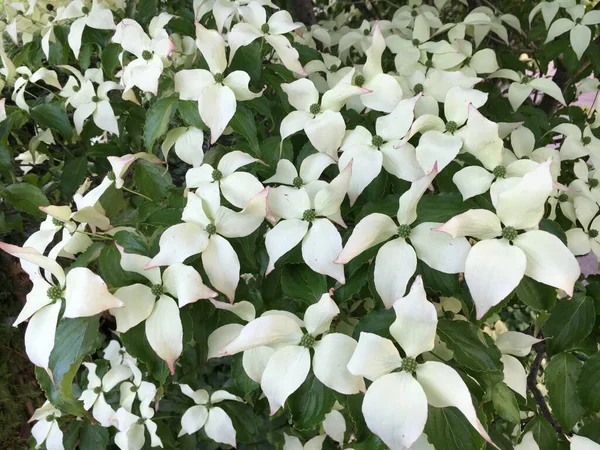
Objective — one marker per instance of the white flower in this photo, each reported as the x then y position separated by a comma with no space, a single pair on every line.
293,443
46,430
494,267
577,144
523,85
142,390
511,344
289,364
98,16
238,188
117,355
47,76
396,260
206,225
217,95
93,396
395,405
151,52
307,219
188,143
215,421
164,330
322,122
97,105
578,25
84,292
549,10
131,434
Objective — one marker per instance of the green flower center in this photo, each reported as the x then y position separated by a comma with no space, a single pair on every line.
309,215
334,68
315,109
366,32
219,77
409,365
429,64
157,290
404,231
54,293
499,171
307,341
578,21
140,421
418,88
147,55
95,99
85,10
297,182
451,126
525,80
50,418
56,223
586,140
414,13
449,315
509,233
563,197
359,80
133,388
265,28
76,88
217,175
111,176
377,141
593,233
211,229
415,42
97,390
592,183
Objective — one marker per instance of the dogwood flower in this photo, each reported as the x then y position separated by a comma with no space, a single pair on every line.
288,366
523,85
322,122
522,141
224,10
138,388
421,18
46,430
164,330
188,143
293,443
131,434
98,16
494,267
311,169
97,105
583,240
215,421
84,292
93,396
334,424
577,144
256,26
385,149
511,344
308,220
117,355
587,182
151,52
206,225
217,95
400,423
549,10
396,260
578,25
238,188
26,76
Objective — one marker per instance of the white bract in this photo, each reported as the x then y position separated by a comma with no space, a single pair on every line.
46,430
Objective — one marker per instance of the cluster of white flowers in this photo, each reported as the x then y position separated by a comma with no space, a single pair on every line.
429,115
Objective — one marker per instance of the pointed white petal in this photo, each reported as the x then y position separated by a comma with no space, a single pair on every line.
330,364
282,238
373,357
435,147
272,330
86,294
138,301
179,242
368,232
193,419
321,246
514,375
478,223
326,132
395,264
39,336
334,426
318,316
164,331
407,207
185,284
221,265
472,181
439,250
219,427
217,105
515,343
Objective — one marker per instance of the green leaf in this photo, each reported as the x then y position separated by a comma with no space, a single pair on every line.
151,180
26,198
137,345
74,340
310,403
553,228
110,59
448,429
377,321
299,282
73,174
472,348
441,207
240,380
588,384
445,284
570,322
247,59
157,120
543,433
93,437
505,403
53,116
111,271
244,124
244,421
561,380
535,294
189,114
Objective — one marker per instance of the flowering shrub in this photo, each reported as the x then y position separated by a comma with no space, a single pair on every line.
258,233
